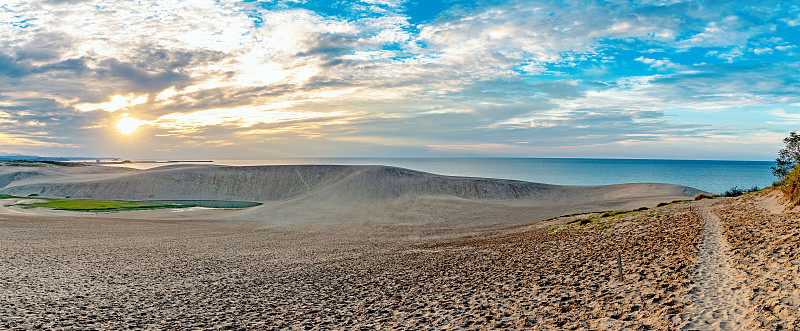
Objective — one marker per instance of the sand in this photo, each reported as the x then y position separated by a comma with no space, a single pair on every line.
420,258
117,273
765,247
339,194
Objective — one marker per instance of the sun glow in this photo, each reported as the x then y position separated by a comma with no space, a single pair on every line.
117,102
127,125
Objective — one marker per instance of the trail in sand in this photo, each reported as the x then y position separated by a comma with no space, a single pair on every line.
718,293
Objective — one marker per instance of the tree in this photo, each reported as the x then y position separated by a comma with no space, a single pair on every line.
788,157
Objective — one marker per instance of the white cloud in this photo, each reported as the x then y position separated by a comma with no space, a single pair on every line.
763,50
660,64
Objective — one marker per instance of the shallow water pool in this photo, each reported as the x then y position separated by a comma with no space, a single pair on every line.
210,203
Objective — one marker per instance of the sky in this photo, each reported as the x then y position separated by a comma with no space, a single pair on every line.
399,78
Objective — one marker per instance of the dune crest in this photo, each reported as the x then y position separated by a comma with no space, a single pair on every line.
343,192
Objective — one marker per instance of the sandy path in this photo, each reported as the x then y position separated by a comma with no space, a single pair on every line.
765,243
718,291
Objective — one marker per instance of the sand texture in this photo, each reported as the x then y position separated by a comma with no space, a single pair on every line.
459,253
717,297
117,273
765,247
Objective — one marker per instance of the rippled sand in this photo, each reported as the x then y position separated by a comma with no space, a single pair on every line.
106,273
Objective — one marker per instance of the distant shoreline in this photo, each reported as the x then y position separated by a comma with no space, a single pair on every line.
146,161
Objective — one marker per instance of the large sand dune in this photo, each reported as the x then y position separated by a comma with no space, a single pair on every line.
382,247
314,193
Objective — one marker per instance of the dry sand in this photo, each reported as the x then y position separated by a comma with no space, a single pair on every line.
464,254
117,273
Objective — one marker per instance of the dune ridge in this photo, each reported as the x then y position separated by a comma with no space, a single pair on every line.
341,193
270,183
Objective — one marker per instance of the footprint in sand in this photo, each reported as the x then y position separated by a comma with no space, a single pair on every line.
718,297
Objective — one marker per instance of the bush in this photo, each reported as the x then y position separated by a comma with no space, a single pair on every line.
736,191
791,186
702,196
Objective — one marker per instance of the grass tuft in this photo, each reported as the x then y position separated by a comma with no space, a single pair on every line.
581,221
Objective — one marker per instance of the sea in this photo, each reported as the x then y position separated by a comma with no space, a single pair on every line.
706,175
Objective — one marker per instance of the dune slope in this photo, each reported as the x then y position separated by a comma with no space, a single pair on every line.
312,193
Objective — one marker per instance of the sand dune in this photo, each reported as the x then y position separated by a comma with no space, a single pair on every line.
96,272
315,193
418,251
265,183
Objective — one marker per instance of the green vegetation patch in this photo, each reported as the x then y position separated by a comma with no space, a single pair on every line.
581,221
594,216
100,205
736,191
662,204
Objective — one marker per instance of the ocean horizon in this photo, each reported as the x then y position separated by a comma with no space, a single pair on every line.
715,176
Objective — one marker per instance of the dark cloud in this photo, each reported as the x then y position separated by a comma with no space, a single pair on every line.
78,66
328,46
140,79
44,46
154,59
10,67
151,69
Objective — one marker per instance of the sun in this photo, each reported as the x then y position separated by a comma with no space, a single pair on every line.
127,125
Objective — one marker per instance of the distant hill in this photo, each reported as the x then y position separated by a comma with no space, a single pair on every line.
17,157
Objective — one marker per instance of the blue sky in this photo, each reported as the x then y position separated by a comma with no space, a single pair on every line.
257,79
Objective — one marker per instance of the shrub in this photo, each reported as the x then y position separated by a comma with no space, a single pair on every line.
736,191
662,204
702,196
733,192
791,186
